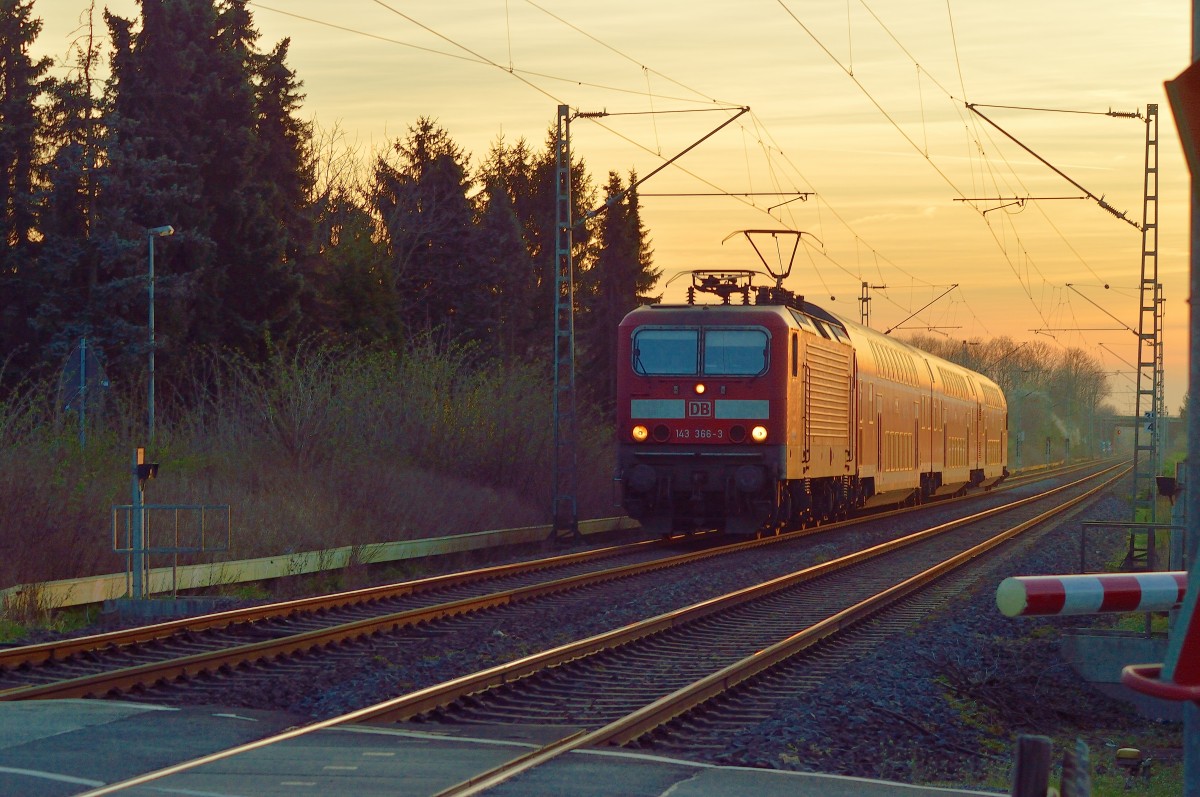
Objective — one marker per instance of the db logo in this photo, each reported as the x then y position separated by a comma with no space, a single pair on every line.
699,409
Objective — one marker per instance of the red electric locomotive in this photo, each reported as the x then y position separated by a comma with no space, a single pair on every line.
755,416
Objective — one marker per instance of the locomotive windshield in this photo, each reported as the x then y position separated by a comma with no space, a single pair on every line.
735,352
677,352
666,352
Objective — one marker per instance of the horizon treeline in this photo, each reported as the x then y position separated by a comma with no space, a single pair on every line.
282,233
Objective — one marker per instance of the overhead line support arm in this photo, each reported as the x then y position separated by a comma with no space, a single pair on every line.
612,200
1098,199
914,314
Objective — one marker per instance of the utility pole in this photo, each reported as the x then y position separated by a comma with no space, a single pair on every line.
1147,432
865,302
565,506
566,510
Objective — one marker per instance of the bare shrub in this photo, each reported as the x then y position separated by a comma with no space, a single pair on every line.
289,401
322,446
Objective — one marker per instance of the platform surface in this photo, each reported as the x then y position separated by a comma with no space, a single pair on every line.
65,747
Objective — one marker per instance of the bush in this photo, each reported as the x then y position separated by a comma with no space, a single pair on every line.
319,446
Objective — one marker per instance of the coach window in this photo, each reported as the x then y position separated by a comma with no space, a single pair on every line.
795,354
666,352
735,352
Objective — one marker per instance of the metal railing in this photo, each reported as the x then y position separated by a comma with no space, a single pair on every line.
190,533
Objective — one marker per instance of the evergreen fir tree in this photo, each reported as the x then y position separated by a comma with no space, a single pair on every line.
623,277
190,102
506,260
349,292
420,193
510,169
23,82
68,260
286,159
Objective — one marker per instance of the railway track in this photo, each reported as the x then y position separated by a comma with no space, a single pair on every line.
731,637
93,665
716,662
135,659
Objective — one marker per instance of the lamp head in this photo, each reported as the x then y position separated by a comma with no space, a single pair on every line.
159,232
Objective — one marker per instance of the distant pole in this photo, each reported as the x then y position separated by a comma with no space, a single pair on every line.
151,234
82,393
137,542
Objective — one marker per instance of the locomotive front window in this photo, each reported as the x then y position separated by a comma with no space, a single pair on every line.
666,352
735,352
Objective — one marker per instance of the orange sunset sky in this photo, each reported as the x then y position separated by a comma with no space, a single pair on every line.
861,104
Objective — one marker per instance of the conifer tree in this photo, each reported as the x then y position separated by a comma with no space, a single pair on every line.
623,277
506,260
348,289
530,181
509,169
183,149
420,194
22,84
285,162
68,260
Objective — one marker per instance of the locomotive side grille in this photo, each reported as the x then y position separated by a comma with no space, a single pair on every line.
828,401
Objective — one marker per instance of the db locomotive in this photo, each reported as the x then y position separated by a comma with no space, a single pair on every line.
773,412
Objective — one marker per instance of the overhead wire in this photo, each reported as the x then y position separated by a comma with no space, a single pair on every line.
479,60
755,118
760,131
526,75
971,122
871,98
519,74
978,137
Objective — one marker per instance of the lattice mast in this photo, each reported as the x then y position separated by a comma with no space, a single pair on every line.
565,507
1147,432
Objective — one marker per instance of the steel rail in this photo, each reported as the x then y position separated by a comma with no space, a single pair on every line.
431,697
25,655
504,673
688,698
683,700
197,663
44,651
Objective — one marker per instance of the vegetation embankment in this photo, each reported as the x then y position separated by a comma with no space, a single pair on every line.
319,447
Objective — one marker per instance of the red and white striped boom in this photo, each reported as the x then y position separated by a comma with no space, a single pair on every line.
1022,596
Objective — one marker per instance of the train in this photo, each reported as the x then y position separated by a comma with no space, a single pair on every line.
754,416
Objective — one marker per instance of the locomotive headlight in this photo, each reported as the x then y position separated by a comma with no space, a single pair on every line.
700,388
640,433
758,434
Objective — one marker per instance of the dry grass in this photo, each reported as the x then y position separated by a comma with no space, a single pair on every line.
320,447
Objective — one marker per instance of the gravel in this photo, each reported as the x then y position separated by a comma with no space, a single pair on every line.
943,703
946,703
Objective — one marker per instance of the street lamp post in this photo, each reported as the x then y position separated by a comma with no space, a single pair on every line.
151,234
